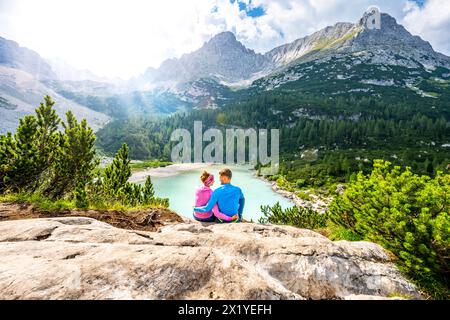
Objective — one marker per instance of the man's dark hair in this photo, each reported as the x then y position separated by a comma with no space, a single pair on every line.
226,173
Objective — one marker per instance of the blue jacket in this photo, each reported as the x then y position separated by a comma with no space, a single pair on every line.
229,198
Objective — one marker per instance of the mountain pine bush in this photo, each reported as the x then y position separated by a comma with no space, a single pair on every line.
295,216
74,160
406,213
80,197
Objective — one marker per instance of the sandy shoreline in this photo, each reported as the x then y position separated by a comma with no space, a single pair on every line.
164,172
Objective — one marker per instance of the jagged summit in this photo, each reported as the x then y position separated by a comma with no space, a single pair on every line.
221,58
225,43
390,34
226,36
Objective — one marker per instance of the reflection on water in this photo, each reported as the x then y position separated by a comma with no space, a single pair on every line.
180,190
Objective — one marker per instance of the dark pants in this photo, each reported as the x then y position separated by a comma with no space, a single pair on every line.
210,219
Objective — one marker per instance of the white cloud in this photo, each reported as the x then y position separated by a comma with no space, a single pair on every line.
124,37
431,22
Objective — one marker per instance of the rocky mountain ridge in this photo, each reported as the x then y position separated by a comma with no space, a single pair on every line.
343,59
227,60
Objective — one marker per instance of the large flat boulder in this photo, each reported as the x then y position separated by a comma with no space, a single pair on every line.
82,258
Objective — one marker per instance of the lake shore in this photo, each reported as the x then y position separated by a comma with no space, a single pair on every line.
316,203
168,171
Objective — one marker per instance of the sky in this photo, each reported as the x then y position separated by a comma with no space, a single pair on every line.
122,38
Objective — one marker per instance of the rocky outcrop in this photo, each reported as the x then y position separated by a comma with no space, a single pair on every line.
82,258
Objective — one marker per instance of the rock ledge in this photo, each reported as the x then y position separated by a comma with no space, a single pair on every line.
82,258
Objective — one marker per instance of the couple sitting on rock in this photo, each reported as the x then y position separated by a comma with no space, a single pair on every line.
223,205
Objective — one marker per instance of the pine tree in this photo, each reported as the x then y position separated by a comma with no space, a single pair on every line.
46,137
7,154
75,158
80,197
116,175
18,156
148,191
26,157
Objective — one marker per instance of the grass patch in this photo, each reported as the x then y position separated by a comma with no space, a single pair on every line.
50,205
149,164
399,295
337,233
38,201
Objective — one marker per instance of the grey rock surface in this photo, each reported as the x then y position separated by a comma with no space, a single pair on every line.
81,258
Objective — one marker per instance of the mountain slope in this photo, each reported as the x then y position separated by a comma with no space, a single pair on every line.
14,56
21,93
288,53
392,44
23,77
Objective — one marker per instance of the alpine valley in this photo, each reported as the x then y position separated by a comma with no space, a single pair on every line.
365,92
345,95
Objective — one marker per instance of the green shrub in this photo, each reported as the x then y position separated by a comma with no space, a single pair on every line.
406,213
337,233
303,195
300,183
74,160
80,196
295,216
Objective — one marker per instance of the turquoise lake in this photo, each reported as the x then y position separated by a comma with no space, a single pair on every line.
180,189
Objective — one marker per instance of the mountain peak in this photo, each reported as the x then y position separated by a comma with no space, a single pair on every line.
225,36
225,41
218,59
386,21
389,33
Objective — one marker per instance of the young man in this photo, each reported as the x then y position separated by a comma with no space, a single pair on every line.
229,198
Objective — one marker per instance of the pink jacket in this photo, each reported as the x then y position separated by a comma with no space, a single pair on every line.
202,196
